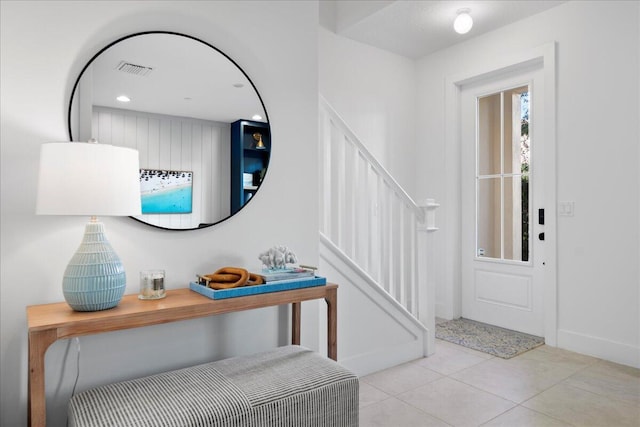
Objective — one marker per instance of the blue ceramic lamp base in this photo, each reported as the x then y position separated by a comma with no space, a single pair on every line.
95,278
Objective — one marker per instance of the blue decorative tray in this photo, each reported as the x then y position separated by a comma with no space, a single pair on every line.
281,285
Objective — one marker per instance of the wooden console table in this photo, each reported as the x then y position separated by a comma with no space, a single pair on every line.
50,322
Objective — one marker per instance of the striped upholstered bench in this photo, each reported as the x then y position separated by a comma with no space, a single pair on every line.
290,386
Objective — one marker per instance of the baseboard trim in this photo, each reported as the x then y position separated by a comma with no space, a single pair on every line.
441,310
613,351
366,363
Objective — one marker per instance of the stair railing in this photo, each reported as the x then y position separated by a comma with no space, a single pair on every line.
370,218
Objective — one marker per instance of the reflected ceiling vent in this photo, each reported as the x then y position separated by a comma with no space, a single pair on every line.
138,70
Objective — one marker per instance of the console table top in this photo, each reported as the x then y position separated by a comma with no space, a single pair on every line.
131,312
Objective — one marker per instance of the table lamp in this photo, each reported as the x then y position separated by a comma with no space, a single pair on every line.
79,178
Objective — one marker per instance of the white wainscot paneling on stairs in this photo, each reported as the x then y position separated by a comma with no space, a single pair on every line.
375,242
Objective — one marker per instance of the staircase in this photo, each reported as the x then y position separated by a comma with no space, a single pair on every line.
375,243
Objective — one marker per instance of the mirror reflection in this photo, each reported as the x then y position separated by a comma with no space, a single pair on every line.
195,117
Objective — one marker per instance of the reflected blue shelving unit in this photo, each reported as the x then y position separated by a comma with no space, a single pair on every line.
247,158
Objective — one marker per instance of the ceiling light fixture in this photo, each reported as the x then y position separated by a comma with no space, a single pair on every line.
463,21
256,117
123,98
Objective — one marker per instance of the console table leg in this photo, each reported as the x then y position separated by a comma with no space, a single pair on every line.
332,323
39,342
295,323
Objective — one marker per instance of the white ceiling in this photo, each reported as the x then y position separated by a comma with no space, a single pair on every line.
188,79
417,28
191,79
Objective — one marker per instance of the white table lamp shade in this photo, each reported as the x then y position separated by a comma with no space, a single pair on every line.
78,178
90,179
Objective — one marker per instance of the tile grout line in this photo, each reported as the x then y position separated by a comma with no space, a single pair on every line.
601,396
563,360
516,404
570,386
395,396
449,376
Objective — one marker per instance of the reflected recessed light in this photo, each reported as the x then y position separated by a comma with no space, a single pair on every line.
256,117
123,98
238,85
463,21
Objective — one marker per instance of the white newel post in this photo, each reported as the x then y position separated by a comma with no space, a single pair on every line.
426,283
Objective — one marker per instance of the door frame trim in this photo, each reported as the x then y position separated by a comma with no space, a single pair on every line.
546,55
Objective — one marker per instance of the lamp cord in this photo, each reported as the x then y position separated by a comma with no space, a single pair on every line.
73,391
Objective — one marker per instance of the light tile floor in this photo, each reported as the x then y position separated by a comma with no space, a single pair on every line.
458,386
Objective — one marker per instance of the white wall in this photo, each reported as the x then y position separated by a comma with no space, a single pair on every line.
374,92
373,333
43,48
202,147
597,164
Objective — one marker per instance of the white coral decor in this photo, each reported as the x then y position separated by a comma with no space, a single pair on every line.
277,258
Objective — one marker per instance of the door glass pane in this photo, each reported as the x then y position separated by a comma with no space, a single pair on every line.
525,141
489,219
489,134
526,210
514,107
502,175
516,218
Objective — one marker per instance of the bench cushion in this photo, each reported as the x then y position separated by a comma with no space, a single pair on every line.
289,386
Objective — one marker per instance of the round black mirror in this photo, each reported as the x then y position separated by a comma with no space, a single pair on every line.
193,114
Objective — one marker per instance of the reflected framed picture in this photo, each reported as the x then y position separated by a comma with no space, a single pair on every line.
166,191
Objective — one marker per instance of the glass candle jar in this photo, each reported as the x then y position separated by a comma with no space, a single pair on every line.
152,284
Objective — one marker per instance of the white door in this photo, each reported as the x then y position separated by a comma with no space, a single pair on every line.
502,196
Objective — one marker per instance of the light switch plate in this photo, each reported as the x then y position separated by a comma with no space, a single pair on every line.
566,208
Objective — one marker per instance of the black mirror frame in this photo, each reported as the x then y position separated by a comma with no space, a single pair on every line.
75,86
